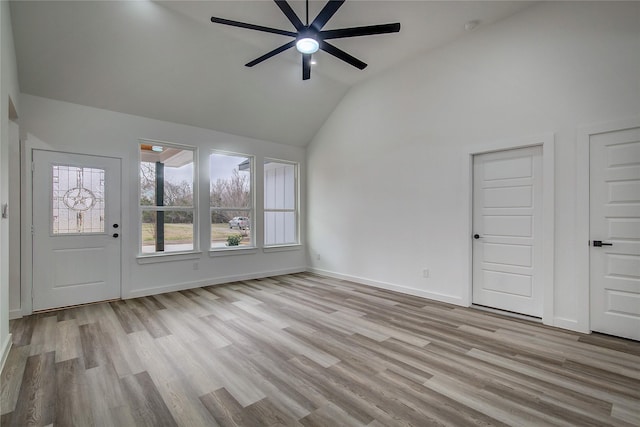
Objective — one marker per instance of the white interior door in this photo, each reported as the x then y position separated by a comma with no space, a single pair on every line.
614,220
76,217
507,227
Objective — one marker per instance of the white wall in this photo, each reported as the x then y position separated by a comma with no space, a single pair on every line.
9,90
61,126
388,183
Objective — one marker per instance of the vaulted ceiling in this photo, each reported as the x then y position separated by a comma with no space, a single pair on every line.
166,60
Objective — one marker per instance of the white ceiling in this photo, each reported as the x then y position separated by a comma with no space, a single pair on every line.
167,61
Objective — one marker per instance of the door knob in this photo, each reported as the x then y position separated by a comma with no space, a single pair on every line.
115,234
115,226
476,236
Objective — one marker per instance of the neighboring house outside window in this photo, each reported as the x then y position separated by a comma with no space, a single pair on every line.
280,203
232,202
167,202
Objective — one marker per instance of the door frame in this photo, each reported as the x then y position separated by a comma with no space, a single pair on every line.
26,235
547,142
583,214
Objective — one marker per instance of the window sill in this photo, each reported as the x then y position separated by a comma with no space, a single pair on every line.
232,252
173,256
282,248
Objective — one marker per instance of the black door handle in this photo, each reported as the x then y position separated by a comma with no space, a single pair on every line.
476,236
115,234
115,225
600,243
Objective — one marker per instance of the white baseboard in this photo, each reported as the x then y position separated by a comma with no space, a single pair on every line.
15,314
6,347
451,299
216,281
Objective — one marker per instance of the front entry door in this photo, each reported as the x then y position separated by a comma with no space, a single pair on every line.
614,220
507,227
76,217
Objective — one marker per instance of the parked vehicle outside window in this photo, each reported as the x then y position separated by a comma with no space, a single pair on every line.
239,222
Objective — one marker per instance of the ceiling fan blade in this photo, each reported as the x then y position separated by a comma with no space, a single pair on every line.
341,54
252,26
306,66
290,14
325,14
274,52
360,31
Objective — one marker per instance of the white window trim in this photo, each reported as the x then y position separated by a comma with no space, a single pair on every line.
282,248
296,192
145,258
234,250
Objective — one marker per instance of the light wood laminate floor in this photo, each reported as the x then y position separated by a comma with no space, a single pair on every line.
308,350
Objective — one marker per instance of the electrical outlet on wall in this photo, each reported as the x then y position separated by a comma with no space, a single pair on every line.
196,266
425,273
317,257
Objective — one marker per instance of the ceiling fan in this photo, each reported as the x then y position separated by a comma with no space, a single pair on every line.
308,38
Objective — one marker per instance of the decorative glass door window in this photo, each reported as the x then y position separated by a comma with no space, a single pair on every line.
77,200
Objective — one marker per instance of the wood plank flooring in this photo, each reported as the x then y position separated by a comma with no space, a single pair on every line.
305,350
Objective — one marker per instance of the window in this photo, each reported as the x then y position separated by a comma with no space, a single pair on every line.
280,203
167,201
78,200
231,194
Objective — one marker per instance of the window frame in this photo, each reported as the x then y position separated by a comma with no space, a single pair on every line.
295,210
251,211
193,208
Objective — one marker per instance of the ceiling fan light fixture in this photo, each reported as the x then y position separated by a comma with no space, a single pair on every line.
307,45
